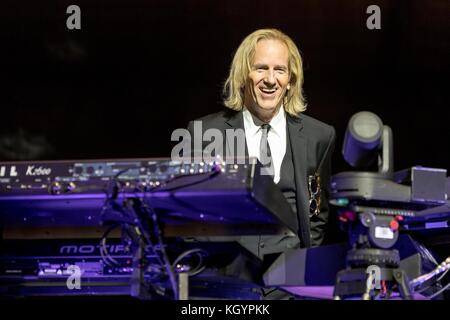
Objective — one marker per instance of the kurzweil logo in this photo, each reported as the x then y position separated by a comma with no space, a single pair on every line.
39,171
12,172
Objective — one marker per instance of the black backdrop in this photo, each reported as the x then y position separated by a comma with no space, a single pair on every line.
139,69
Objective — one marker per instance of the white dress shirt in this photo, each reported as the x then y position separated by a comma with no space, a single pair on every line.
276,138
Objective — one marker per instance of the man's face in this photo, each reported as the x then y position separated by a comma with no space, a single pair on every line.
268,79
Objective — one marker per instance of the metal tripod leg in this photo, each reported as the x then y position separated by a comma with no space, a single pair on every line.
403,284
183,286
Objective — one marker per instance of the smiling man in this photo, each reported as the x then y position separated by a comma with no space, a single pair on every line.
264,97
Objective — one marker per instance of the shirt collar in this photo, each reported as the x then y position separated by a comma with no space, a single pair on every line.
278,123
253,124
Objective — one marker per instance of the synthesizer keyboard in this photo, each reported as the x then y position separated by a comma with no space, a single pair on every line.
227,198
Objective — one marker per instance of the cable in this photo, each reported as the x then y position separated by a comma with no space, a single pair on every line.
199,267
209,175
443,267
110,261
443,275
166,260
433,283
144,207
132,226
434,295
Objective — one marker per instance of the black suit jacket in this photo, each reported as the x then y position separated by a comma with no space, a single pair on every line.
312,144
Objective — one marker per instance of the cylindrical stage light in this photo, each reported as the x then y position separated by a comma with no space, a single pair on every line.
362,139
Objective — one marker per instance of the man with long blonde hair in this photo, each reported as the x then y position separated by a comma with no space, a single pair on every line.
264,97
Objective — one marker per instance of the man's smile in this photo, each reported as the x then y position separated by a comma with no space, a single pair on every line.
268,92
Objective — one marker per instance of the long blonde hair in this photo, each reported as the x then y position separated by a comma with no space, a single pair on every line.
294,101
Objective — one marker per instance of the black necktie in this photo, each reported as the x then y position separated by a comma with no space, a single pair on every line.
265,156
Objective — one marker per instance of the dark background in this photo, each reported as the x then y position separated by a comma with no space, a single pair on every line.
137,70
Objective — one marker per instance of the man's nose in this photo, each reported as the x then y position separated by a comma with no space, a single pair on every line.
270,78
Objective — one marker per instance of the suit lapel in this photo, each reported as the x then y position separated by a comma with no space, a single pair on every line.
299,155
235,121
299,145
